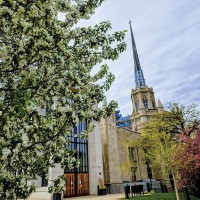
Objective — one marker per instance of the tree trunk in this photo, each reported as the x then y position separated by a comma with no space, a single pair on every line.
176,187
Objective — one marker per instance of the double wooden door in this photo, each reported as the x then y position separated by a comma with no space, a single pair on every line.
77,184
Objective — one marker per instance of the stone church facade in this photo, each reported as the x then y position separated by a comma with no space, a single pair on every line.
116,150
104,152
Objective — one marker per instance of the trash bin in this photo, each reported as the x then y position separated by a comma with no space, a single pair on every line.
56,196
186,195
127,191
148,187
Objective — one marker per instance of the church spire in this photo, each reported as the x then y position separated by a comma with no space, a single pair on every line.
139,77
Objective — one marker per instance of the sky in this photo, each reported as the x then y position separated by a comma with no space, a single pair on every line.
167,36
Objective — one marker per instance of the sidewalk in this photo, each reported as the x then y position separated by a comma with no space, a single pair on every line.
47,196
95,197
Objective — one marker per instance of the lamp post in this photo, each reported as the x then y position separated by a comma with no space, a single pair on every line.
149,172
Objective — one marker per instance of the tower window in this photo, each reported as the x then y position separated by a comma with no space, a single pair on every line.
145,102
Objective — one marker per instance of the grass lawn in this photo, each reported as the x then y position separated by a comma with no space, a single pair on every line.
161,196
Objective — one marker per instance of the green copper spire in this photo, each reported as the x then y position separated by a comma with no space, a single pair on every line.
139,77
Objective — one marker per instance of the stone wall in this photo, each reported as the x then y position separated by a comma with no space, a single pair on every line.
95,159
110,150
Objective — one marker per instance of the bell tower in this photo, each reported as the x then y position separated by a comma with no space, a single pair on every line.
142,96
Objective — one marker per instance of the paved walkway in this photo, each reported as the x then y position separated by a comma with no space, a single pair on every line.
46,196
95,197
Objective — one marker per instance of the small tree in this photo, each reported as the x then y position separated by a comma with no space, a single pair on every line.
46,86
162,153
129,163
128,168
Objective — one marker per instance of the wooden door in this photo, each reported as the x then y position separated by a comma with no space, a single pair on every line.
70,185
82,183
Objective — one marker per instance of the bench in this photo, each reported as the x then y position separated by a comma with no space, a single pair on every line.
136,189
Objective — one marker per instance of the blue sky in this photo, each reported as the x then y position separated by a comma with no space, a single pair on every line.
167,35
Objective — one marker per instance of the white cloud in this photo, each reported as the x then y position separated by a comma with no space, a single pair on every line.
167,39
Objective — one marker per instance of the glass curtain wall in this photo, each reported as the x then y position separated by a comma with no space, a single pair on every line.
81,147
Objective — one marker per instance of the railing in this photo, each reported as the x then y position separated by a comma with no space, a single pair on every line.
116,188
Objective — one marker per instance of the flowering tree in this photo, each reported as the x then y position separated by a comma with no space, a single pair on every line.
190,160
46,86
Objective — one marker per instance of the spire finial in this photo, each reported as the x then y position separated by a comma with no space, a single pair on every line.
160,106
139,77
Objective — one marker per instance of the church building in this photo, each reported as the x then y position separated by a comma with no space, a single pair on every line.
121,131
102,155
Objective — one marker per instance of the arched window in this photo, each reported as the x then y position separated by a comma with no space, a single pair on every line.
153,102
137,104
145,101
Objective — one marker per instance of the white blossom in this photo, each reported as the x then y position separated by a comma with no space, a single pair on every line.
46,86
